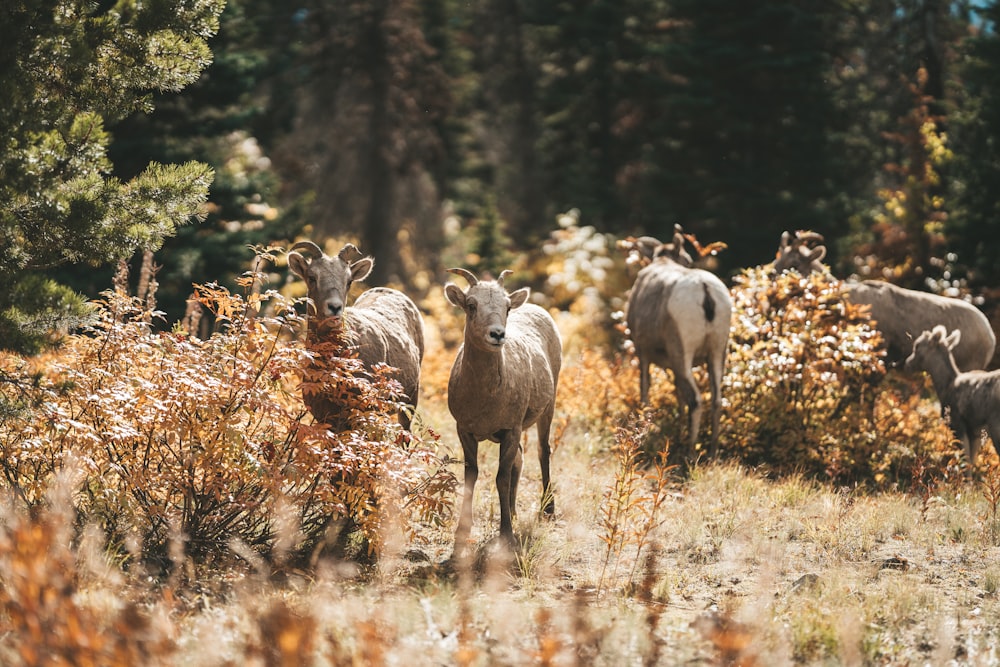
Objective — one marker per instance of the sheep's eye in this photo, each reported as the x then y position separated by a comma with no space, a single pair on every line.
472,307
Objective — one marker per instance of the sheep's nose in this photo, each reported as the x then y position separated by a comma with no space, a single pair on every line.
334,309
497,334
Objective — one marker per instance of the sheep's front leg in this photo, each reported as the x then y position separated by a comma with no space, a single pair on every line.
508,473
544,454
470,451
993,429
974,439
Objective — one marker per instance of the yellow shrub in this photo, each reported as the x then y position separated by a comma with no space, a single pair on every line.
806,388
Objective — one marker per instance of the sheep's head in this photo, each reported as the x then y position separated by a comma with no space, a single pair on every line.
644,249
328,279
802,252
931,345
675,249
486,305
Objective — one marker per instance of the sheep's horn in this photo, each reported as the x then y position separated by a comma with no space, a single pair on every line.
648,245
503,274
349,248
310,248
804,236
469,276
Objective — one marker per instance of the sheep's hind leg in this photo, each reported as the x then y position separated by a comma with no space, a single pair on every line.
715,372
643,379
687,391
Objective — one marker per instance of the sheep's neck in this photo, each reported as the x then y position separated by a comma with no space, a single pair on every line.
482,365
943,372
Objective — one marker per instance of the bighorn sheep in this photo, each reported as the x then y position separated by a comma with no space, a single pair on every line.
899,314
972,399
384,324
677,317
504,379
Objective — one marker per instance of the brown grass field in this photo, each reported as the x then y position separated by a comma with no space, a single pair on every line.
734,563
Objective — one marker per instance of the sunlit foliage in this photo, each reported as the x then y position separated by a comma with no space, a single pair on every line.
806,388
208,441
69,70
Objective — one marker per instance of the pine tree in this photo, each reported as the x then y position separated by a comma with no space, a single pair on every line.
367,127
743,147
908,227
589,88
974,228
231,119
68,70
490,252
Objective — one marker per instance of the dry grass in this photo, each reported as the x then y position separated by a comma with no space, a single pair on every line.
726,565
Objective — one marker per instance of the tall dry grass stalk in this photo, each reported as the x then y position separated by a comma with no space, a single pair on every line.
631,508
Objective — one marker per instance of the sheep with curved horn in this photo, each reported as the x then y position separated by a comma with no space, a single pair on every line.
503,381
899,314
384,324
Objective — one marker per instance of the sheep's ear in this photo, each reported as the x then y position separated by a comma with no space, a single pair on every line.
455,295
361,268
818,253
298,264
518,298
952,340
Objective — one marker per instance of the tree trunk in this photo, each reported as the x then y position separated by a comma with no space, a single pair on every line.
377,231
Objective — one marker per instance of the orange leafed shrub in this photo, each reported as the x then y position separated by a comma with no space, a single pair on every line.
208,440
806,389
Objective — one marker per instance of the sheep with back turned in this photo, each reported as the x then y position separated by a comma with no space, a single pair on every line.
384,324
677,317
503,381
971,399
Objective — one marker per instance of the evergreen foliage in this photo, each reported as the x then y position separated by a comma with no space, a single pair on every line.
745,133
737,120
69,69
489,252
230,119
975,229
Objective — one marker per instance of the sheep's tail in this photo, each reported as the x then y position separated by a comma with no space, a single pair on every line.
708,304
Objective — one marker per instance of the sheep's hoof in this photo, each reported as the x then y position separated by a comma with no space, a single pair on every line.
500,552
549,511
